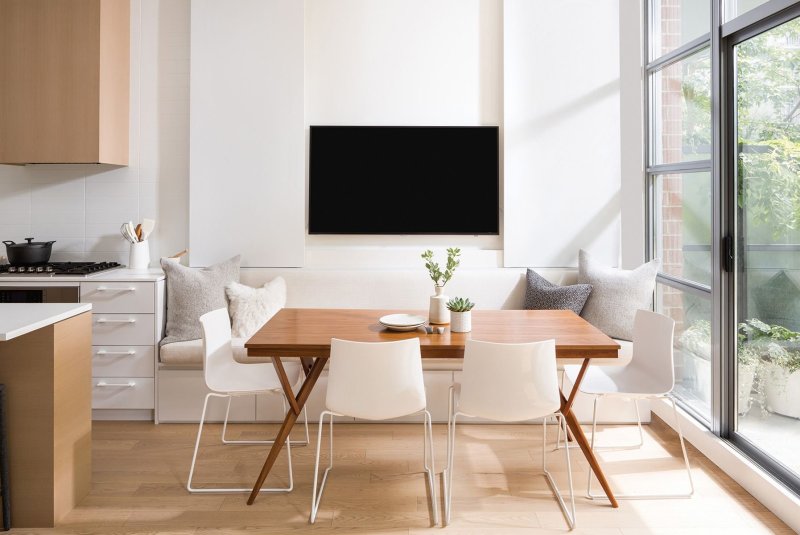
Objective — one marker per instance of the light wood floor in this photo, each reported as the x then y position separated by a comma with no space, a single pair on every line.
139,472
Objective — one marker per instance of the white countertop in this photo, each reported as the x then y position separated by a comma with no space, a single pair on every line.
17,319
114,275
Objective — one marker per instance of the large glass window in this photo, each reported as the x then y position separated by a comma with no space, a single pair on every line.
767,68
723,141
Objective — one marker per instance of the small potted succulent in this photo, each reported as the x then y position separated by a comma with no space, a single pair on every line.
460,314
438,312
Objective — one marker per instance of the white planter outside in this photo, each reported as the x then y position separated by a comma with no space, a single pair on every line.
461,322
698,370
782,390
438,311
747,375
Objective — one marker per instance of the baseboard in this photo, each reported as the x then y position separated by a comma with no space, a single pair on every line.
123,414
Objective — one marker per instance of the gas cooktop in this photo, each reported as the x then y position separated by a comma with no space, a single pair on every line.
59,268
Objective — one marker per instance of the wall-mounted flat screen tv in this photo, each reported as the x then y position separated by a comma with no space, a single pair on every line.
404,180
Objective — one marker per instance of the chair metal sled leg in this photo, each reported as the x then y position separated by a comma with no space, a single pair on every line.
569,513
428,463
283,399
230,490
644,496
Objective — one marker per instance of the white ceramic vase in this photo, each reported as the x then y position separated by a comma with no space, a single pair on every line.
139,256
461,322
438,312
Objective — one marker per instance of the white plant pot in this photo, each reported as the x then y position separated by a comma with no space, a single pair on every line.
698,371
438,312
747,375
461,322
782,390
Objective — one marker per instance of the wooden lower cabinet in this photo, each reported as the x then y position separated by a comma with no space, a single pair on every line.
49,425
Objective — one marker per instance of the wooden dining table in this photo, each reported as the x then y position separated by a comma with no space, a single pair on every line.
306,333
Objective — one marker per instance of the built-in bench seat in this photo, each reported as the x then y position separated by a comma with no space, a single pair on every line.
181,387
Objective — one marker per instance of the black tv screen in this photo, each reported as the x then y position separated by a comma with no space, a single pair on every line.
403,180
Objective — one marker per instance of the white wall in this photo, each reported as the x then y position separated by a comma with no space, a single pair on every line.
562,131
247,178
82,206
389,62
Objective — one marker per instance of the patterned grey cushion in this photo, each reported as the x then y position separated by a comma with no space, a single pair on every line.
616,294
192,292
541,294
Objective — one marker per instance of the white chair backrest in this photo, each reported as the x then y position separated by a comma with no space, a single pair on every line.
375,381
652,349
217,352
509,382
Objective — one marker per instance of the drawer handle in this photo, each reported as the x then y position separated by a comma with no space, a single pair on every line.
129,320
104,352
104,289
129,384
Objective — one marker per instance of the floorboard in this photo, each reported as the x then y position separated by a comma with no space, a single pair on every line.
377,485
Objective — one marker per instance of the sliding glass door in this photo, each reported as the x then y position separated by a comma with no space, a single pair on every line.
766,104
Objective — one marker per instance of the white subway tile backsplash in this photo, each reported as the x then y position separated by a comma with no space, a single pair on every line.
48,231
107,243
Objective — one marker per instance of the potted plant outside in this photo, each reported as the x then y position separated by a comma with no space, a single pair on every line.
438,312
460,314
777,350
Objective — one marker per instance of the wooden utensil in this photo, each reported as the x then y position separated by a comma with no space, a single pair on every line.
139,232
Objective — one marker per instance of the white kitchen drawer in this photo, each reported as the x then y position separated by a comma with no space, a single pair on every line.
123,361
123,393
119,297
123,329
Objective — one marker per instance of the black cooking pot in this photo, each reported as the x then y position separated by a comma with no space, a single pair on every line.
26,254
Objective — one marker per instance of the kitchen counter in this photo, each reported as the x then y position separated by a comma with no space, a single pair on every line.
17,319
114,275
46,367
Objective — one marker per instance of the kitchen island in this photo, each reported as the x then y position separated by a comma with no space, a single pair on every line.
45,365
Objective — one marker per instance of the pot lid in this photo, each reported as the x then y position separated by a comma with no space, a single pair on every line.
31,243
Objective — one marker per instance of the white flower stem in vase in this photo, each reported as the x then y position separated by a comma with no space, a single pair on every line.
438,312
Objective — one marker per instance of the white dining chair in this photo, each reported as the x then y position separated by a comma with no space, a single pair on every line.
375,381
508,383
649,375
227,378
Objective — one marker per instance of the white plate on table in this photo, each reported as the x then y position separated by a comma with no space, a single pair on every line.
402,322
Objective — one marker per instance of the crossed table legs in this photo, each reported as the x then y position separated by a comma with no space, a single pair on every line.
314,370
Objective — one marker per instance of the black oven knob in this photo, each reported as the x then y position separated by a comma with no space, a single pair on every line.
12,269
39,269
49,269
31,269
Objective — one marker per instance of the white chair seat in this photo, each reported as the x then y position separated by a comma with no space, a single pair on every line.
629,383
235,377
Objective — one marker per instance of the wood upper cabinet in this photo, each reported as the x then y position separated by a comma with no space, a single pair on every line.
64,81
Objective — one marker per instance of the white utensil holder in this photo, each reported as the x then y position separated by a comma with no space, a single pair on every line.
140,255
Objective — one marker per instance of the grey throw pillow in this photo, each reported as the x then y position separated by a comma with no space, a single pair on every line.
541,294
616,294
192,292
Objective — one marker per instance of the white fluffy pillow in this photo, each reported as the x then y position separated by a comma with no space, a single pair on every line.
250,308
616,294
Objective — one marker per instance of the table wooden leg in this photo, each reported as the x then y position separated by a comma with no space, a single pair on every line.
580,438
288,421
